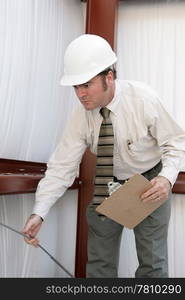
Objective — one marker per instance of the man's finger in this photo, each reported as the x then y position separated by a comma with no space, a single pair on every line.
149,193
32,241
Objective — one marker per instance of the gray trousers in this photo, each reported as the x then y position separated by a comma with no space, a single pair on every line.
104,239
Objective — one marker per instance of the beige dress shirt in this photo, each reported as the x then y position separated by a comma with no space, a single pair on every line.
144,134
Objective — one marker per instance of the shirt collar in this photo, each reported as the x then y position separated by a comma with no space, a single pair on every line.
114,103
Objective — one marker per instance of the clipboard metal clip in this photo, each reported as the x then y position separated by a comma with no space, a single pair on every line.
113,186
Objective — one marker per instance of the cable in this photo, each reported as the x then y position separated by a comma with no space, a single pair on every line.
24,235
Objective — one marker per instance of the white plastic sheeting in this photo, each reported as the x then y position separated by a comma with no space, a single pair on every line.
34,109
151,47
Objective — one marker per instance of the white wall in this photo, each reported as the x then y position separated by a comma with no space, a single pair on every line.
33,112
151,47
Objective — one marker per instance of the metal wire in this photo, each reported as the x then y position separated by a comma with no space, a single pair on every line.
41,247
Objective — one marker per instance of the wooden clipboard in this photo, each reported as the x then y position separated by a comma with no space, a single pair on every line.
125,206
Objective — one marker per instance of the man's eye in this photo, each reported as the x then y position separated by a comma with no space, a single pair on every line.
85,86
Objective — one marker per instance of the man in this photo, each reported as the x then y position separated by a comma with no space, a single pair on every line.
146,140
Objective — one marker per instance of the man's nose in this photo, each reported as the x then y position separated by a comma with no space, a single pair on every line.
81,92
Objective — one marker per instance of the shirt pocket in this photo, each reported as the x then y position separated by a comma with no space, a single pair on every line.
141,145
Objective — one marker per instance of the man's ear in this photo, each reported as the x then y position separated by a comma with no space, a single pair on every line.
110,77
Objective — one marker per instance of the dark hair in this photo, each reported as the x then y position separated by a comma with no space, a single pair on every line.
106,71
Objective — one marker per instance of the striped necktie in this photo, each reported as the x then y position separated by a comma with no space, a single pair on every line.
104,164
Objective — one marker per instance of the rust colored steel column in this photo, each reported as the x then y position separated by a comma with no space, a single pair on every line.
101,20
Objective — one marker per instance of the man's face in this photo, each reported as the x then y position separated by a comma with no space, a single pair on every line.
98,91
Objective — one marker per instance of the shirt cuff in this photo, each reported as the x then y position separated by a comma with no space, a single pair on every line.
170,174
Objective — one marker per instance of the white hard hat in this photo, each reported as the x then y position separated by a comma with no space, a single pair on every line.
85,57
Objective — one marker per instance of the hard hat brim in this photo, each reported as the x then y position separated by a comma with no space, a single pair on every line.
72,80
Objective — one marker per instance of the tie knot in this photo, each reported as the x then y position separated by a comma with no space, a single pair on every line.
105,112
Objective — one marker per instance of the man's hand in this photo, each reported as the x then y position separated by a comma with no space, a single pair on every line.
159,190
31,229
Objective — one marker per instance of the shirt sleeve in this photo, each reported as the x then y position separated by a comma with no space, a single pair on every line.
170,138
63,165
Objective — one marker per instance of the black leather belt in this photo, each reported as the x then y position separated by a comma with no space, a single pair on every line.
148,174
